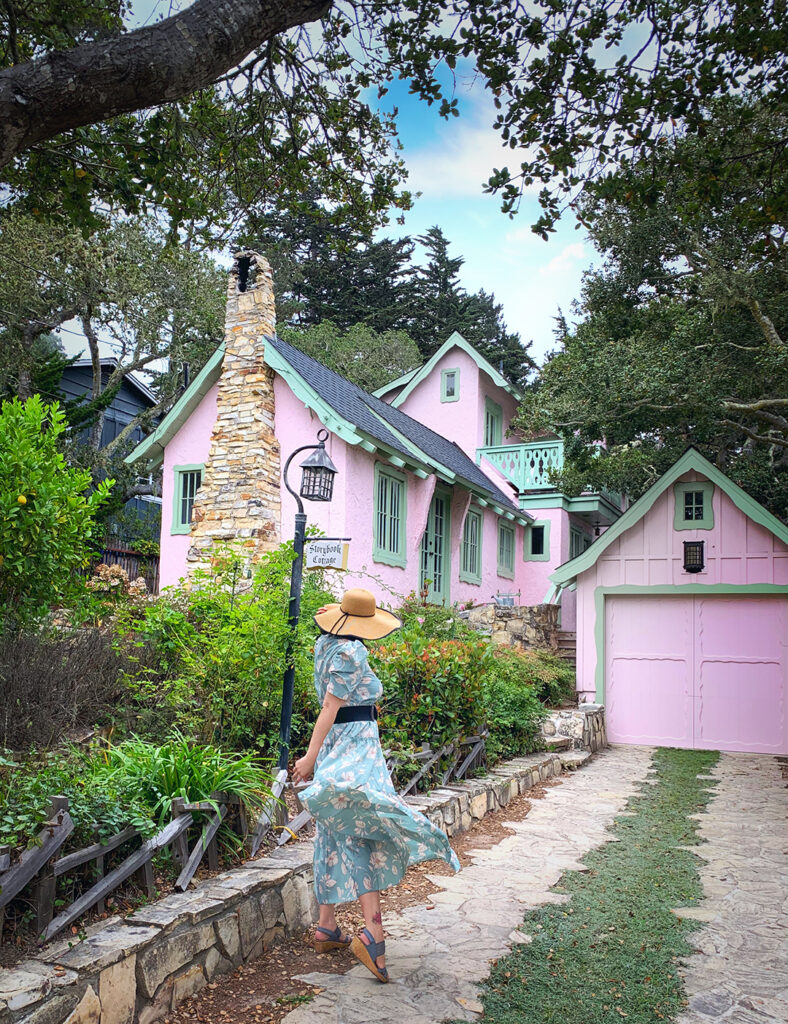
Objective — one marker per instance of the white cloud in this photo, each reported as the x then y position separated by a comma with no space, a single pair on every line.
567,259
459,162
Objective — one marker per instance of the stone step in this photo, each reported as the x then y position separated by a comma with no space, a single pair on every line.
574,759
557,743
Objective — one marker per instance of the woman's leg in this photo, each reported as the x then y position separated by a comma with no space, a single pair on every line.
370,908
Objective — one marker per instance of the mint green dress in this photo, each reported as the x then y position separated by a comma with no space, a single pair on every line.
366,834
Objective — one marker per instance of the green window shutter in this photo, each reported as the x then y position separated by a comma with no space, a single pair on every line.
505,550
471,551
188,480
389,515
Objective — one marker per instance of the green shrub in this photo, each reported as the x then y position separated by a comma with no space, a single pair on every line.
514,711
221,655
436,622
432,688
552,679
95,798
46,512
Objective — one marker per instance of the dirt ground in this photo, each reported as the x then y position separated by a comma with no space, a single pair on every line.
263,991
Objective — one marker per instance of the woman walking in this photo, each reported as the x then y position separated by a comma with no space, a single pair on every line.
366,835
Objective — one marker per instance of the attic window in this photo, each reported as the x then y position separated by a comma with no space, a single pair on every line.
693,505
247,273
450,385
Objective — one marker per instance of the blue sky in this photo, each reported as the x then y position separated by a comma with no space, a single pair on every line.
448,161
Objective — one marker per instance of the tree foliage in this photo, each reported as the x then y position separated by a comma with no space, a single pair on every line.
156,305
46,516
233,102
682,335
366,357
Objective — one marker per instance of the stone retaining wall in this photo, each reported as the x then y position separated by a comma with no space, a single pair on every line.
584,726
138,969
521,626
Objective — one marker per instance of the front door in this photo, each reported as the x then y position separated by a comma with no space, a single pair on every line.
435,561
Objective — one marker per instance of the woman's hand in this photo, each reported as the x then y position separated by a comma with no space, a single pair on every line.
303,768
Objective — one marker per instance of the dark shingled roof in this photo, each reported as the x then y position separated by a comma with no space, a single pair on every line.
365,411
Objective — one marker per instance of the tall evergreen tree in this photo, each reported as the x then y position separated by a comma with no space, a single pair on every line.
443,306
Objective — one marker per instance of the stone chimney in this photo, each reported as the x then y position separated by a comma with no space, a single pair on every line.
239,501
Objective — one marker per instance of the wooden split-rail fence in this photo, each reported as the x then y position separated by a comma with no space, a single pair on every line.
40,866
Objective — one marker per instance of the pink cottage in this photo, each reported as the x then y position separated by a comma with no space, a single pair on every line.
431,489
682,617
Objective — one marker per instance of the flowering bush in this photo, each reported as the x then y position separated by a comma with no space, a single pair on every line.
433,689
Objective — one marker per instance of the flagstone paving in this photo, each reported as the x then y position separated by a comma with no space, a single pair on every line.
740,973
437,957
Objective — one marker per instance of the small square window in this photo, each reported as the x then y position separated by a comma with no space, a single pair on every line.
693,505
694,509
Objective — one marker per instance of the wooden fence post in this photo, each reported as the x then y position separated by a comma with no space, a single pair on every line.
180,846
44,889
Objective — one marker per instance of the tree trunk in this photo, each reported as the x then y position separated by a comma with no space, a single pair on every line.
145,68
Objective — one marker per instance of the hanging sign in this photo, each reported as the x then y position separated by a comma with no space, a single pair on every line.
327,553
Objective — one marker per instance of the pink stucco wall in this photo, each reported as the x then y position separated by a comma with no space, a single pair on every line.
650,553
349,514
461,421
190,446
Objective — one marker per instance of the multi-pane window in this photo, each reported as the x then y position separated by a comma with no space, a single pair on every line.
389,516
188,480
693,506
471,553
505,550
493,424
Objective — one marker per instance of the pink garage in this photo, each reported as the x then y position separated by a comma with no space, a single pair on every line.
682,616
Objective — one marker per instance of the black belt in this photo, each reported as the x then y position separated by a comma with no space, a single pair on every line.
356,713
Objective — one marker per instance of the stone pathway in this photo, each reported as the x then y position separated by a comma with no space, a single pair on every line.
437,957
740,973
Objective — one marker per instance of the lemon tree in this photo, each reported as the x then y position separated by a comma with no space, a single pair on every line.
47,511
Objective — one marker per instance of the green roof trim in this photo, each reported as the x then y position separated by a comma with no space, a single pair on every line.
398,383
455,340
152,447
690,460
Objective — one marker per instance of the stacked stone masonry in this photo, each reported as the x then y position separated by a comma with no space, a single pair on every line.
521,626
140,968
583,726
239,500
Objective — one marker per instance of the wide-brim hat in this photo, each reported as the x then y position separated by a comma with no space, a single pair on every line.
358,616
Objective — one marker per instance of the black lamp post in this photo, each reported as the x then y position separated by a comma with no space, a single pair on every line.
317,484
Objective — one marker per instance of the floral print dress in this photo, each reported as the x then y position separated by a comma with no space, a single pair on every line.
366,834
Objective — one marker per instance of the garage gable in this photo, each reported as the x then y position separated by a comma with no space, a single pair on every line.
691,462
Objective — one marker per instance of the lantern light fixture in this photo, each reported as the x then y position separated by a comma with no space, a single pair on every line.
317,478
693,556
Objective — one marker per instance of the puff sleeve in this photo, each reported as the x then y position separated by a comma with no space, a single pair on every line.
346,669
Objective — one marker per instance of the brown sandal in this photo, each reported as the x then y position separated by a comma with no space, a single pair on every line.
334,940
367,954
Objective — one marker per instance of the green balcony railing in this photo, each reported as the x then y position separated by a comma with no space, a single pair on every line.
528,466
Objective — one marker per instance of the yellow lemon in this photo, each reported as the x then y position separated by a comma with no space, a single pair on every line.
22,499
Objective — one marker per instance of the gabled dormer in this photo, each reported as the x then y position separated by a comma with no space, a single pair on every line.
460,394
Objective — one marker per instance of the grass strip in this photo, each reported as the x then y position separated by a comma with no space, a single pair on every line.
611,952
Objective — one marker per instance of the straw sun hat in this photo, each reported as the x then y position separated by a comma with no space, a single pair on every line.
357,616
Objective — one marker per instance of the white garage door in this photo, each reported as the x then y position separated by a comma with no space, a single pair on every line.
696,671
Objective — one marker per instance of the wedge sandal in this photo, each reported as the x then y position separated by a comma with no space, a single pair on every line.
332,940
367,954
